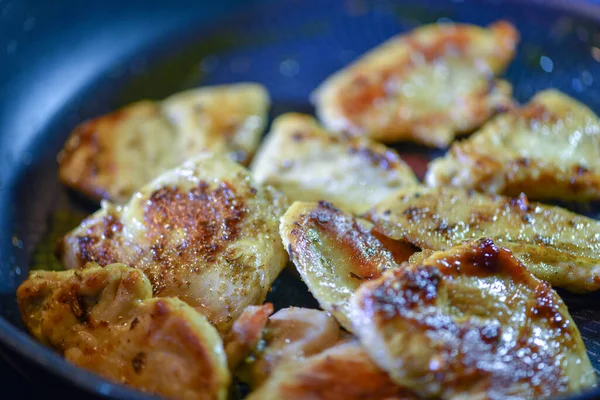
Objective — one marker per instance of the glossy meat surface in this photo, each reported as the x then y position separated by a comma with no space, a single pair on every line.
335,253
112,156
341,372
290,336
204,232
105,320
548,149
426,86
471,322
308,163
555,244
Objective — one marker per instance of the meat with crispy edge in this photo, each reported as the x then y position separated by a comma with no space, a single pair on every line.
204,232
104,319
471,322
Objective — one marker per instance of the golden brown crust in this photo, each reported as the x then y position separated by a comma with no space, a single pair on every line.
112,156
104,320
548,149
308,163
205,233
554,244
472,322
342,372
426,86
333,252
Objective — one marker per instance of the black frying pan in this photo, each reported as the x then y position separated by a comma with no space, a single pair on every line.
63,62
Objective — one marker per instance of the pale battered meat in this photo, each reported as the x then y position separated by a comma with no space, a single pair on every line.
554,244
105,320
335,253
548,149
112,156
204,232
426,86
471,322
289,336
307,163
341,372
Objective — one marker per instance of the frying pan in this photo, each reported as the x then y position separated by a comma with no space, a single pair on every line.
67,61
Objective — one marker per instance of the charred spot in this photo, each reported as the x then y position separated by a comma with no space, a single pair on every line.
386,160
298,136
79,309
387,212
528,219
291,252
522,162
139,362
360,278
327,205
134,323
424,282
322,218
548,308
406,290
444,227
490,333
296,231
485,259
112,225
413,213
581,169
85,245
487,255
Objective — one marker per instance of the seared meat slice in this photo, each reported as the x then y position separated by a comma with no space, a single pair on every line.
288,337
204,232
307,163
112,156
341,372
426,86
554,244
471,322
335,253
548,149
105,320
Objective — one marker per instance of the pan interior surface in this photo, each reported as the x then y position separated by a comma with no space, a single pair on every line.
59,74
